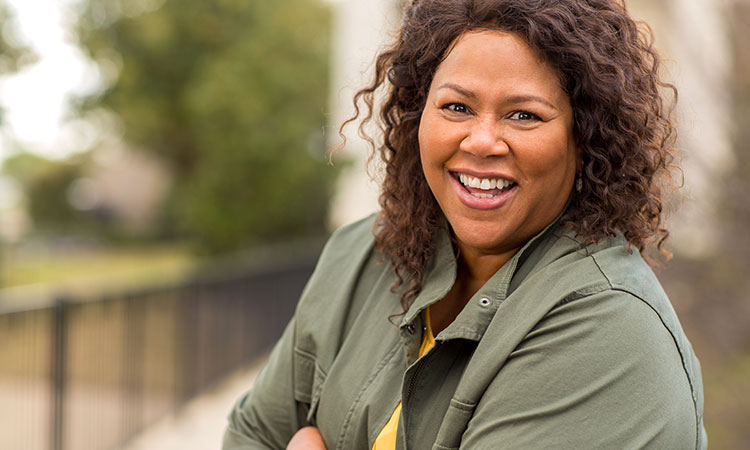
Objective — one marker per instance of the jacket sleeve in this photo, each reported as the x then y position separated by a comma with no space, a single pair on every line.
285,395
268,416
600,372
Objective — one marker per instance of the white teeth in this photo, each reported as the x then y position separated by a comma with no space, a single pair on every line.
483,183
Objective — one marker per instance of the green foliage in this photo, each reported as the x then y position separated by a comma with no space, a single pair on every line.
230,94
46,185
47,196
24,166
14,53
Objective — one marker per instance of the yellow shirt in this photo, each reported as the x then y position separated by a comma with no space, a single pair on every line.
386,440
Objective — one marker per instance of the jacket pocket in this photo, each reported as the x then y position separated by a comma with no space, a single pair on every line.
454,424
437,446
308,382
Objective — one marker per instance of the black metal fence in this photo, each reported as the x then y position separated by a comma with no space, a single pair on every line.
90,373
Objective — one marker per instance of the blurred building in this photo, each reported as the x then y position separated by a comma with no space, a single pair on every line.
361,29
692,37
128,185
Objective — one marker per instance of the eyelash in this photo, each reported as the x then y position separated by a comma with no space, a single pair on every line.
452,108
532,116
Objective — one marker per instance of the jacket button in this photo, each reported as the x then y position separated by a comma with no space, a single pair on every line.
410,328
484,301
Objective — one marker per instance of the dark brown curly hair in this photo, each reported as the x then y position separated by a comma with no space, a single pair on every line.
607,66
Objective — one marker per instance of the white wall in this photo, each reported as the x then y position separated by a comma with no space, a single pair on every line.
691,36
361,29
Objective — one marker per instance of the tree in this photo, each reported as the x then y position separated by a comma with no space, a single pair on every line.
14,53
230,94
47,186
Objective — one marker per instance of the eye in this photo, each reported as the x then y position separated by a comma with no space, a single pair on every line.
524,116
459,108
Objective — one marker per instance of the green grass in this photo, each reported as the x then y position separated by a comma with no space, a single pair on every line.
98,267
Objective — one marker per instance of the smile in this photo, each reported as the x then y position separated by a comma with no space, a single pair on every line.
484,187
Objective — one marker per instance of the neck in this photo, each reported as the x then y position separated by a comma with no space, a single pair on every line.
478,267
471,275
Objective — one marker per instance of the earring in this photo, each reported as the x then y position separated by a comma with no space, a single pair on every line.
579,182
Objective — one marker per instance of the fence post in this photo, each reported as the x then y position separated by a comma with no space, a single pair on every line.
134,345
57,366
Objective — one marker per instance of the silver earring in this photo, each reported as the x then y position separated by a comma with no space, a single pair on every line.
579,183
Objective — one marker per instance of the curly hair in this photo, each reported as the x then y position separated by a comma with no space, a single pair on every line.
607,66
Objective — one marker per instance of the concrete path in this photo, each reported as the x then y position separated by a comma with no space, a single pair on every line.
200,425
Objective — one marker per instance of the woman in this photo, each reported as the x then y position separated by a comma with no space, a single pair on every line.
523,143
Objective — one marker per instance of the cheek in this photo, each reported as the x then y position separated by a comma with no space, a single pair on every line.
429,142
552,158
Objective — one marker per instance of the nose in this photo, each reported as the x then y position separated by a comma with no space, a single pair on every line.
485,138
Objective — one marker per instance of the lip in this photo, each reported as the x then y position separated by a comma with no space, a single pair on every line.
483,204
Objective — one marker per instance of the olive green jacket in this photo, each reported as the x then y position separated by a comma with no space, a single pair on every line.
562,348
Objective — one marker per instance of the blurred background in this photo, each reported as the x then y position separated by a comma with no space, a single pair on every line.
165,188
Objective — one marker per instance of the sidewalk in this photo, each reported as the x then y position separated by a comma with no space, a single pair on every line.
200,425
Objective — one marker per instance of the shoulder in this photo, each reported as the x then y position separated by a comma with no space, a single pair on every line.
604,348
612,275
355,237
606,291
604,360
347,271
610,315
347,249
609,265
616,278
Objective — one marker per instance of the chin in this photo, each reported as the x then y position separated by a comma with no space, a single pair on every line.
486,238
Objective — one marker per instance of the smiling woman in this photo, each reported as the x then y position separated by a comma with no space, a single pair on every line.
499,299
496,113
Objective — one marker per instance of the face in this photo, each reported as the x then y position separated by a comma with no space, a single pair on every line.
496,143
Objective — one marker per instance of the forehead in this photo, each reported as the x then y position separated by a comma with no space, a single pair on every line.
492,56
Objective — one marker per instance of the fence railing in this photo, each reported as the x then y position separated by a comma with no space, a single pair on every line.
90,373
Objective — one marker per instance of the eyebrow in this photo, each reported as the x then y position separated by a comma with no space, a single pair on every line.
521,98
458,89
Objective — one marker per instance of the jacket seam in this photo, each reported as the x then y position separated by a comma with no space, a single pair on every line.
305,354
360,394
437,446
463,405
601,271
683,360
679,351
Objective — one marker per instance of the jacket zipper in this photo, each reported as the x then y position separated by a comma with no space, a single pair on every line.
413,382
418,371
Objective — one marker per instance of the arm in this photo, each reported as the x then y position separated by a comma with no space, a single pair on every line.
268,416
277,407
596,373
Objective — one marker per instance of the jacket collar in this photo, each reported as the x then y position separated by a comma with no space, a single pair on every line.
440,276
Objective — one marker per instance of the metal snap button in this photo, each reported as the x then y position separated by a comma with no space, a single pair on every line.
484,301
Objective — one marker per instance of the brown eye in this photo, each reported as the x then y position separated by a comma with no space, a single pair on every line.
524,116
456,108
